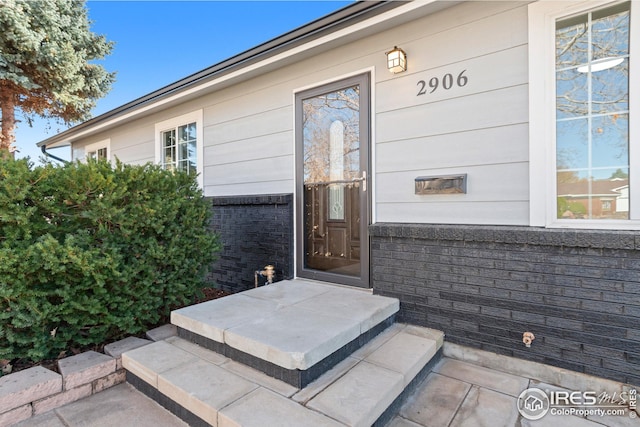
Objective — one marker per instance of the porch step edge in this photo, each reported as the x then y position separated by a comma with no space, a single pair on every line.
402,355
275,329
295,377
364,394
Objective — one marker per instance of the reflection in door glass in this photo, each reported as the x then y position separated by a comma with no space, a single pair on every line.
331,156
319,113
336,170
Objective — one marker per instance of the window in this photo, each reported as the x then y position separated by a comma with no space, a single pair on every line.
99,154
96,150
581,136
179,144
592,111
179,148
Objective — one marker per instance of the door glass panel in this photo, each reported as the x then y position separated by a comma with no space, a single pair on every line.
336,170
331,173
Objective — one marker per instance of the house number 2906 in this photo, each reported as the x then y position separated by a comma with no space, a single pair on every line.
446,82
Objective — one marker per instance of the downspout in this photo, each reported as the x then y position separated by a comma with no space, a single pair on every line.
49,155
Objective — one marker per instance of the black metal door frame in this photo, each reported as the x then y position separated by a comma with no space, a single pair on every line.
363,81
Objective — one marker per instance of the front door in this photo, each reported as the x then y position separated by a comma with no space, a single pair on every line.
332,152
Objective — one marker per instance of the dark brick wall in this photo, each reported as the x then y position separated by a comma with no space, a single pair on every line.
255,231
578,291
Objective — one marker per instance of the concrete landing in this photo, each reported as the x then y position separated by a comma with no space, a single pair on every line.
205,388
293,324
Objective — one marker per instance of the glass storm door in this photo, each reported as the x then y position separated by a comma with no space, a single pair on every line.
332,152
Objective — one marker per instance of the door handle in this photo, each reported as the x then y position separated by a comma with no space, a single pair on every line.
363,180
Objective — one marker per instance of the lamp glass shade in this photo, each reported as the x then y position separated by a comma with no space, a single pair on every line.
396,60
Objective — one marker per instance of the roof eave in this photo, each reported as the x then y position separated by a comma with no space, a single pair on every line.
328,23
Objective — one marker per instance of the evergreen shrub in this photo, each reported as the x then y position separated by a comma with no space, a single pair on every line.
91,252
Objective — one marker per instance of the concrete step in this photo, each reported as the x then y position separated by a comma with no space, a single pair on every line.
205,388
294,330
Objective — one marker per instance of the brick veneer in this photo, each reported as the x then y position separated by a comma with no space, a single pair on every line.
255,231
578,291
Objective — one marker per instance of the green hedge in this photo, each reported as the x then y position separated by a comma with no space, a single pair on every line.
90,252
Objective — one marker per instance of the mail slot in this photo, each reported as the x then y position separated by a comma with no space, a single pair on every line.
443,184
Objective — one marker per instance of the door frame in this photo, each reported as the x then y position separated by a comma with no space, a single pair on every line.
365,117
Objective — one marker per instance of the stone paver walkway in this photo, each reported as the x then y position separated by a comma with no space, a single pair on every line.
460,394
456,393
121,406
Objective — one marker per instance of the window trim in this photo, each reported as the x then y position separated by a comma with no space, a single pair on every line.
173,123
542,147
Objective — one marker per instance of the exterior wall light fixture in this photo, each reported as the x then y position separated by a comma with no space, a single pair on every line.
396,60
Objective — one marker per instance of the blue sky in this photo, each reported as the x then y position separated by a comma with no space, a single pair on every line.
159,42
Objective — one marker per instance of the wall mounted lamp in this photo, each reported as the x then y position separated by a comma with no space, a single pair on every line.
396,60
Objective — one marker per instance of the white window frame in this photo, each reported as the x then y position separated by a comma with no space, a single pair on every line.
543,16
173,123
95,146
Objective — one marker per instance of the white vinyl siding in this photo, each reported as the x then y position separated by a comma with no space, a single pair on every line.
251,153
248,130
478,128
133,144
